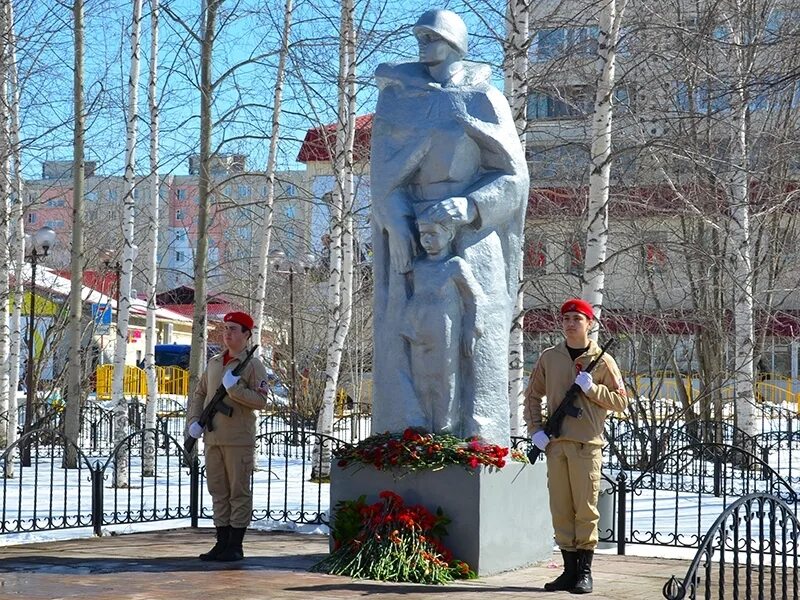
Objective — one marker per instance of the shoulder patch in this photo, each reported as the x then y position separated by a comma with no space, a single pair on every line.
263,386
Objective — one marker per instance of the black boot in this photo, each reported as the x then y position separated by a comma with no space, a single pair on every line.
233,551
222,542
566,580
583,584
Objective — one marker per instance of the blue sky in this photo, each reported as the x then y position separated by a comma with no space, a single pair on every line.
249,28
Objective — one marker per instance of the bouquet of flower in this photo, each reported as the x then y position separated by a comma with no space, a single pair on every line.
415,450
390,541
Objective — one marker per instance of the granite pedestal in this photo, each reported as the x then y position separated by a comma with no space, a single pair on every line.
500,518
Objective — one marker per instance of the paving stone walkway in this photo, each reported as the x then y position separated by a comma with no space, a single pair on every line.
164,565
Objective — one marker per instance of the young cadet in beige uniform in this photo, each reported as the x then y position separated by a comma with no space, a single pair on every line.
574,459
230,445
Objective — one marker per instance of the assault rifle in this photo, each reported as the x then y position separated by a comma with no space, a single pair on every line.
567,407
217,404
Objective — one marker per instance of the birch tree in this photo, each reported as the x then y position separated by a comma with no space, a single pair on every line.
340,283
72,416
151,275
17,241
206,39
266,217
516,91
128,250
610,18
5,225
739,257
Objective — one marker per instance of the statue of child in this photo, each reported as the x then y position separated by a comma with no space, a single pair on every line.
441,326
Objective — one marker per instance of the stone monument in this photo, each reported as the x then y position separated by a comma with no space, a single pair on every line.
449,189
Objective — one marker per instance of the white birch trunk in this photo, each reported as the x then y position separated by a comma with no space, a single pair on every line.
17,245
340,286
5,225
266,218
516,90
74,396
126,274
151,272
198,353
593,283
741,267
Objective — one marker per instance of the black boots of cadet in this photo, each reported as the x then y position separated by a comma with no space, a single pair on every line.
229,545
567,579
223,533
577,575
583,584
233,551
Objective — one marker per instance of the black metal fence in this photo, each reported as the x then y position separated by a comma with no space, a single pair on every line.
148,477
663,485
750,551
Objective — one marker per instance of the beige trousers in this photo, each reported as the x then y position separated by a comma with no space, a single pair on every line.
573,478
228,475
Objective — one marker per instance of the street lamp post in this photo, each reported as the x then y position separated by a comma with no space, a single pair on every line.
37,246
286,266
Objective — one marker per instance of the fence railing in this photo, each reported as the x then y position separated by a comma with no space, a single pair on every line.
751,551
162,482
170,380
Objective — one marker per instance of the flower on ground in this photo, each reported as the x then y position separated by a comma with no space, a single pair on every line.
391,541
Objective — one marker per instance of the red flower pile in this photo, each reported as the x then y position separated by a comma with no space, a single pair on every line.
415,450
390,541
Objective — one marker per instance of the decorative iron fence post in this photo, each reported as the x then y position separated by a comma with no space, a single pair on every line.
622,495
97,499
194,488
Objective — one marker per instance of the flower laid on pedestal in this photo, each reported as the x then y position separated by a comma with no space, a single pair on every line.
415,450
390,541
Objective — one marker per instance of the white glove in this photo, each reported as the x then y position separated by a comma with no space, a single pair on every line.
584,380
195,430
540,439
229,379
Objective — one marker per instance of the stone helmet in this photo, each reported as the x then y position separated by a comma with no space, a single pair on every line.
447,24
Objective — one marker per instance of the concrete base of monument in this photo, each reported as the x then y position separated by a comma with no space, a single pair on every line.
500,518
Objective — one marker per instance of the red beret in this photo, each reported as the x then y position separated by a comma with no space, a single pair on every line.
241,318
579,306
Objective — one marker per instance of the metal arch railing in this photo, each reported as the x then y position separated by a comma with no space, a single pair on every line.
751,551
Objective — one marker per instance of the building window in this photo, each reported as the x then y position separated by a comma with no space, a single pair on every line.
244,191
290,211
291,191
112,195
31,218
55,224
179,214
243,232
179,256
56,202
90,196
702,98
180,235
180,194
551,43
569,104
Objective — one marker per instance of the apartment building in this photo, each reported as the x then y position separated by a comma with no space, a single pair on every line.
237,200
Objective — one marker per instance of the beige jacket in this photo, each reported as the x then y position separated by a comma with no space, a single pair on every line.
555,373
247,396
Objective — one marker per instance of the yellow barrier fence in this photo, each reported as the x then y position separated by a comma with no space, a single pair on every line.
663,386
170,380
